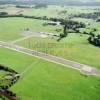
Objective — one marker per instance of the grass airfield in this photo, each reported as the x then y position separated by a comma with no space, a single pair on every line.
46,80
74,47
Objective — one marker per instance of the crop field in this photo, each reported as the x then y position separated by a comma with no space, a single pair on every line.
47,80
41,79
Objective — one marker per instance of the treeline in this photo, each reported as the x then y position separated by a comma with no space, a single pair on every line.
98,20
37,6
62,12
8,94
7,69
94,15
94,39
22,6
70,23
71,26
3,14
11,73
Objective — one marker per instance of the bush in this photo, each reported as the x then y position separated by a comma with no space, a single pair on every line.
3,13
95,40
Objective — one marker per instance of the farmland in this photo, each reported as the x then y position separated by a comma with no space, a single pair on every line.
42,79
12,28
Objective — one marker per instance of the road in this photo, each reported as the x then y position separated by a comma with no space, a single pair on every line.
84,69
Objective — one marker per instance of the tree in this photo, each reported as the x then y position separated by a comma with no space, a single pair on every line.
95,40
3,13
65,30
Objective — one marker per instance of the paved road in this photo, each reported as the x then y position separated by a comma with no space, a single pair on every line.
85,69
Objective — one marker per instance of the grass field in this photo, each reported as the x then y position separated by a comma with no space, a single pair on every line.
55,11
11,28
50,11
73,47
46,80
49,81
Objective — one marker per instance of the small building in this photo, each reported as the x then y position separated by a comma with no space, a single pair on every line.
53,23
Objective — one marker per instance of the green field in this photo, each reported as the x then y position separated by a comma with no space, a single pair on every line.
73,47
49,81
50,11
55,11
12,28
46,80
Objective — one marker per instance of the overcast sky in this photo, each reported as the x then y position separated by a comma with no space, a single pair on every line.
58,0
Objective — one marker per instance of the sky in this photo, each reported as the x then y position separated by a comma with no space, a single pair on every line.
58,0
65,0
